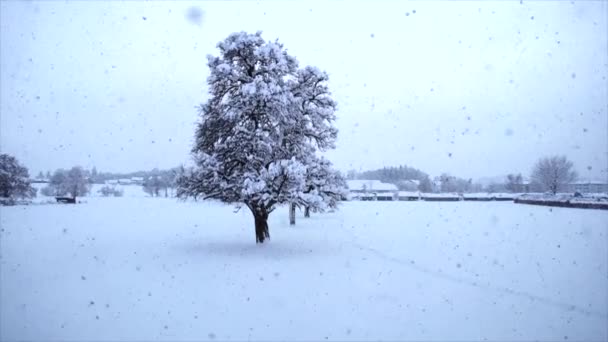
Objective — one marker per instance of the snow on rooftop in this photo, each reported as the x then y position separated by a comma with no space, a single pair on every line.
409,193
589,182
370,185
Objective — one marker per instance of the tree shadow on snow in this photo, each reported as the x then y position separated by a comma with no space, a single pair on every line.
247,249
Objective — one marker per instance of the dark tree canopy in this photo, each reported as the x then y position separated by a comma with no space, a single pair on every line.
514,182
14,179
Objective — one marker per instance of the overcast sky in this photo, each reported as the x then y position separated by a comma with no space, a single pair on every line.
471,88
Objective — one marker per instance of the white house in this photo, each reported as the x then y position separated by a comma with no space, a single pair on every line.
137,180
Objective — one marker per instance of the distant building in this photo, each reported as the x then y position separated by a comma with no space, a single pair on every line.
124,181
371,190
112,182
137,180
588,187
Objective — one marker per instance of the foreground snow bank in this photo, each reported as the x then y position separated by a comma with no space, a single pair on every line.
155,268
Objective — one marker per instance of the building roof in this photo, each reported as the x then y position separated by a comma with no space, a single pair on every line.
370,185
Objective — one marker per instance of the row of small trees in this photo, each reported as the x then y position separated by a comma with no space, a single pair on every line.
15,182
160,182
76,182
551,174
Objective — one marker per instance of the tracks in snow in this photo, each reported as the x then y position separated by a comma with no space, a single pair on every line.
483,286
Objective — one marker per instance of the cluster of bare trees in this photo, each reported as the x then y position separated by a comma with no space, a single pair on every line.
159,184
549,174
73,182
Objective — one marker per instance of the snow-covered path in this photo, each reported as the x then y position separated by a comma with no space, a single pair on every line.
143,268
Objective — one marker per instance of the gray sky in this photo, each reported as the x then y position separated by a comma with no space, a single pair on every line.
472,88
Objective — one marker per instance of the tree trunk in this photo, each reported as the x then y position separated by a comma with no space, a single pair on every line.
261,225
292,214
307,211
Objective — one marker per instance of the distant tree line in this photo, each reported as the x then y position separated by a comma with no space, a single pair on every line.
549,174
449,183
77,181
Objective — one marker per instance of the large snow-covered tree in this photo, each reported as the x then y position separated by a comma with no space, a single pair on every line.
553,173
14,180
264,118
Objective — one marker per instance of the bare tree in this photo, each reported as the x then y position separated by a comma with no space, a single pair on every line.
514,182
552,173
454,184
72,182
425,185
153,185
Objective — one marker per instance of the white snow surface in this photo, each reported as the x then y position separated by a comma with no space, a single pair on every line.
141,268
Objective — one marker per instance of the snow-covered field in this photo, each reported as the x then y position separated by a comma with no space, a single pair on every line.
139,268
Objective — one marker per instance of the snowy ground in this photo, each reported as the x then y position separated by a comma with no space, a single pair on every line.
138,268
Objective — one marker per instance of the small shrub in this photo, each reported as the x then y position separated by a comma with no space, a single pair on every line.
48,191
107,191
